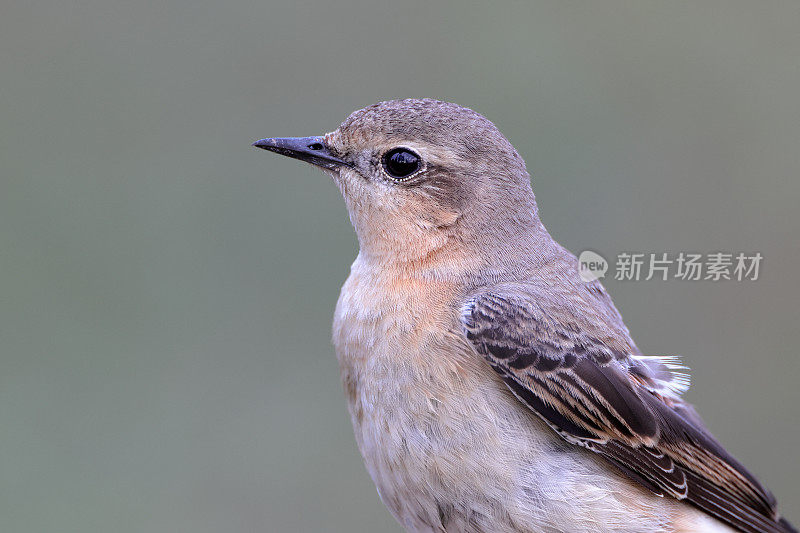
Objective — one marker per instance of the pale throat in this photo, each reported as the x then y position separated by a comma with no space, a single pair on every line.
431,254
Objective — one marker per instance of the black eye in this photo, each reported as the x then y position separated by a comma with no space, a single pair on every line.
400,162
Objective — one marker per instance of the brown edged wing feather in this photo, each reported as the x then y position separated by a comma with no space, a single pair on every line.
585,385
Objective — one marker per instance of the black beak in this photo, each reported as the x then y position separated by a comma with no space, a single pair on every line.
310,149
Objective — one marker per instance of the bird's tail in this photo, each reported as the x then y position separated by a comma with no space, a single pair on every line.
789,527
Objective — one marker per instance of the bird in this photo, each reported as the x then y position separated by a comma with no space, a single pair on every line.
491,388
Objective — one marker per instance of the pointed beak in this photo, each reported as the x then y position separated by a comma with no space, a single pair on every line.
310,149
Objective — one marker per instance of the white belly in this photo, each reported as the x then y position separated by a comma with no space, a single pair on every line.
450,448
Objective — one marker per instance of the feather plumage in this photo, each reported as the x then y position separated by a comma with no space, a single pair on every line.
597,393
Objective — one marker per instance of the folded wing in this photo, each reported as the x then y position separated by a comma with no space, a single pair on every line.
624,407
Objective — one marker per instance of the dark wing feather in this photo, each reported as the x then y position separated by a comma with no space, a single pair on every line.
584,383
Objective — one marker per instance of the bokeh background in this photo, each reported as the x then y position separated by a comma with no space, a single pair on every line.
166,290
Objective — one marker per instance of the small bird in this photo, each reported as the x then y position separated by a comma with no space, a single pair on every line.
490,387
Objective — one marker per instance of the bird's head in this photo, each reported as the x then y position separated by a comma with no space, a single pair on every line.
420,176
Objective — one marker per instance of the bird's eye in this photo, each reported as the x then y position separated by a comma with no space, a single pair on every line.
400,163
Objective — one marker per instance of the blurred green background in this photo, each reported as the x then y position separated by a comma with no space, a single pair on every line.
166,290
